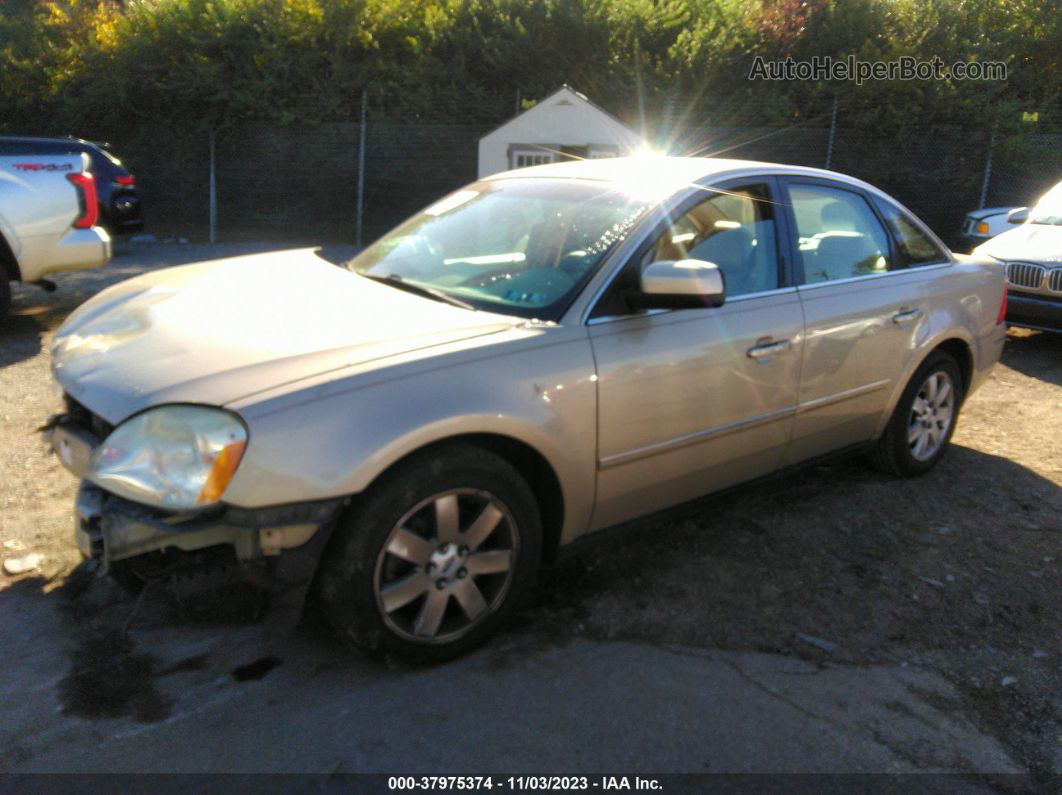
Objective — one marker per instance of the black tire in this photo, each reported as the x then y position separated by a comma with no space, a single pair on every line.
894,453
5,296
359,567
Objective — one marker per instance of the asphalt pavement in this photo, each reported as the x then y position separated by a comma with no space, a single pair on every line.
228,700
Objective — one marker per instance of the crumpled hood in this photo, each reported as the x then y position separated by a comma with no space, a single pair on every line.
217,331
1029,242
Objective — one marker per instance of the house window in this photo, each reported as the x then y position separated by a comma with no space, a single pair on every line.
522,158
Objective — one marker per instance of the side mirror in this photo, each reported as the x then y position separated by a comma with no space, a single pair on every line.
1019,215
680,284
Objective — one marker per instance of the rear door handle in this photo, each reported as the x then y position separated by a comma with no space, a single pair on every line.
906,316
769,349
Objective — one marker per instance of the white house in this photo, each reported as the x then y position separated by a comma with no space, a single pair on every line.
565,125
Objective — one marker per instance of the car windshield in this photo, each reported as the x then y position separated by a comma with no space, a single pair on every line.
520,246
1049,209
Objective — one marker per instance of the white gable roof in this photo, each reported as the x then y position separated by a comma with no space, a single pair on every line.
564,118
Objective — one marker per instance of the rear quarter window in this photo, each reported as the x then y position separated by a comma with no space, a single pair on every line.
916,247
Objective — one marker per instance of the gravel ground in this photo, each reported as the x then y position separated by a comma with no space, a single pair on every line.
956,572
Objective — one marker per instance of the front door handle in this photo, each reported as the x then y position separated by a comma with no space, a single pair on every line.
906,316
769,349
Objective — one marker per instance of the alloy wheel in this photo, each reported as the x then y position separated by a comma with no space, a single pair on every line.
446,565
931,416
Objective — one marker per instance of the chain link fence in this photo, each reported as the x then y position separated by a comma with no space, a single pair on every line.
297,183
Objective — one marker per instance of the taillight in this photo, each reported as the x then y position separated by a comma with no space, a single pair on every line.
89,209
982,228
1002,307
128,179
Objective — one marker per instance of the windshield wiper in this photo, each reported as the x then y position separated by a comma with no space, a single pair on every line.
418,289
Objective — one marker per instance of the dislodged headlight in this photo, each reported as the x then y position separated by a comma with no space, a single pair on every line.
177,457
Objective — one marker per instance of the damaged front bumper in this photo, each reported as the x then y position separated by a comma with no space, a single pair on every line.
109,528
277,546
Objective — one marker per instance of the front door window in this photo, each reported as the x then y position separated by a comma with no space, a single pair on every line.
733,228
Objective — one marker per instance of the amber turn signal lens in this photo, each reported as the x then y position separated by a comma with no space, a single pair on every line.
221,473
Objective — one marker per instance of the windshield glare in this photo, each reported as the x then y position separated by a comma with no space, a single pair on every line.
519,246
1049,209
1047,214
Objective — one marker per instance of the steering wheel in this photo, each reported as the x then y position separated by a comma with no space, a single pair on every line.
486,279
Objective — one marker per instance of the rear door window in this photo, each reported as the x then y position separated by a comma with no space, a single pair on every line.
838,235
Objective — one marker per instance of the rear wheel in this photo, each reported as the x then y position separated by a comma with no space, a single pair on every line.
434,557
924,420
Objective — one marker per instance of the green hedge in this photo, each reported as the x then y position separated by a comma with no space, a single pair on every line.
83,65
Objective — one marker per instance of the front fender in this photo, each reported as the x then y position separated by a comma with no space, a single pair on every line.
337,437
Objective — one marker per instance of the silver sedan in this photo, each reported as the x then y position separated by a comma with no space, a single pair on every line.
540,355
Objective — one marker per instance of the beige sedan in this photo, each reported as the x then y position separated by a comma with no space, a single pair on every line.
538,356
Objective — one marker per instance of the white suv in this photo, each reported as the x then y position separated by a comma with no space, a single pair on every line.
1032,253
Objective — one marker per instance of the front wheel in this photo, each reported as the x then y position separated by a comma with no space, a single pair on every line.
5,295
434,557
922,424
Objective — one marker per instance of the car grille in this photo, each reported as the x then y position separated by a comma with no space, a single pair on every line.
1054,280
1024,274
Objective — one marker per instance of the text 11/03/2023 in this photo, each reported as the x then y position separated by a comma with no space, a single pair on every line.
521,783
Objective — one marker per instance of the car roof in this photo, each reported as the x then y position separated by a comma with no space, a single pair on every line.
658,177
668,174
